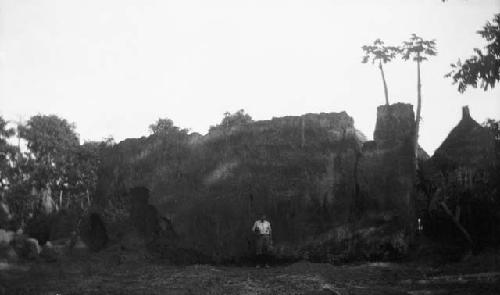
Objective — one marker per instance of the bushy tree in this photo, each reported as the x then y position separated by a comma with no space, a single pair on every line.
379,53
7,152
51,142
235,119
483,67
163,126
56,160
82,180
5,133
12,178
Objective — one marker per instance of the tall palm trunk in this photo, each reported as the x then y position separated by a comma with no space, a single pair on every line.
419,104
386,92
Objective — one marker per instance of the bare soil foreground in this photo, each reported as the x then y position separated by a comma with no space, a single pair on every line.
114,274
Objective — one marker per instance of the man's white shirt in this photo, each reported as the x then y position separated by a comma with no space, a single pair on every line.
264,227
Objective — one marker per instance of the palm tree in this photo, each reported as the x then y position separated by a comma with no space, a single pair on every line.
418,50
378,52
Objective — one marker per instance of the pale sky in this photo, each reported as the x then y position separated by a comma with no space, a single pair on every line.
113,66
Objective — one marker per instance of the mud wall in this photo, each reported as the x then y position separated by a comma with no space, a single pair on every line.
387,165
312,175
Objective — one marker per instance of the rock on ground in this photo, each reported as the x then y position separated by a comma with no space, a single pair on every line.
6,237
27,248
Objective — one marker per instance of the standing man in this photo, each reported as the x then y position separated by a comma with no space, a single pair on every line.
262,229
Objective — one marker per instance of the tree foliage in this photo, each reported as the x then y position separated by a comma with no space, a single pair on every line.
483,67
235,119
54,161
83,178
51,142
163,127
49,136
418,49
7,152
379,52
4,131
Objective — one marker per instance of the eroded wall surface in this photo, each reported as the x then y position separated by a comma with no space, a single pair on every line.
326,191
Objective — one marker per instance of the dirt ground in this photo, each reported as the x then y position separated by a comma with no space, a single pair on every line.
120,274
